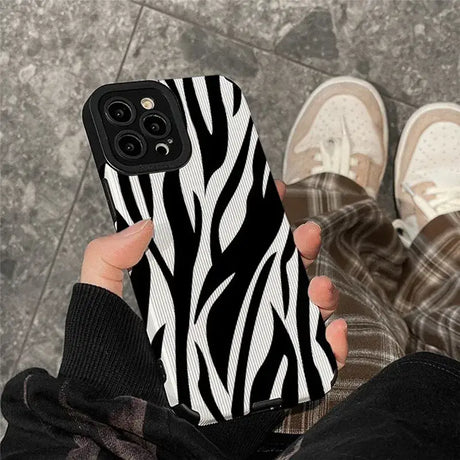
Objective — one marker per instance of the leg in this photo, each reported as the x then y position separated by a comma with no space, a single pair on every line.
409,410
427,189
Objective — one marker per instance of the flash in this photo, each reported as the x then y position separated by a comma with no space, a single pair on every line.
147,103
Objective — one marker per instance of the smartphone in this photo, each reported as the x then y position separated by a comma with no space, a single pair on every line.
221,287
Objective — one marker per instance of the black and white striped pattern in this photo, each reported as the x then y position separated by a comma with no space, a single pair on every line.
219,284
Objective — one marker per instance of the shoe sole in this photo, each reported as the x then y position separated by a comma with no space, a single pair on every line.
406,132
335,81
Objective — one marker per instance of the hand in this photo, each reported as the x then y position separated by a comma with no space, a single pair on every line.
321,291
106,257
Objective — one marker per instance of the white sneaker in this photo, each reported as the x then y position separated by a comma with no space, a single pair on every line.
427,168
342,128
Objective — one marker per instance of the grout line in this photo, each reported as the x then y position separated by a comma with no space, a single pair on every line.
69,215
136,22
260,48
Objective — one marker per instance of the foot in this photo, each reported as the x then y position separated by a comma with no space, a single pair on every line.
342,128
427,168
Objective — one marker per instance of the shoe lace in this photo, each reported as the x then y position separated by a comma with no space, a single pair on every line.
445,200
335,155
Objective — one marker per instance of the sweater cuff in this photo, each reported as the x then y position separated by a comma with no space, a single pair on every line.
107,347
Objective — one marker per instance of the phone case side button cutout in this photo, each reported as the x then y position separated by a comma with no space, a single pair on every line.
184,411
270,404
334,377
105,186
161,370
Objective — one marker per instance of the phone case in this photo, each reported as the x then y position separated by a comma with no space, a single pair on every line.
221,287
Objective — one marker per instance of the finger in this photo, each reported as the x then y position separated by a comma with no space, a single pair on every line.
323,293
337,336
307,238
106,257
281,187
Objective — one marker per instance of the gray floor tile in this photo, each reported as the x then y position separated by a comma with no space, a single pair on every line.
52,56
256,22
409,48
90,219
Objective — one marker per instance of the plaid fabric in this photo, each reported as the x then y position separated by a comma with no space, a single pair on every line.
394,300
429,295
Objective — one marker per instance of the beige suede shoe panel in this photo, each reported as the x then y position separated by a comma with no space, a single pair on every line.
342,128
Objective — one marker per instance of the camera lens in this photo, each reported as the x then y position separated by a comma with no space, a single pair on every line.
129,145
119,112
157,125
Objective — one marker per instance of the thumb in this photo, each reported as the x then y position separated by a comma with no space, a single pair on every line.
106,257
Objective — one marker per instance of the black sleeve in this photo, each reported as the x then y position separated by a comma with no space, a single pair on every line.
108,400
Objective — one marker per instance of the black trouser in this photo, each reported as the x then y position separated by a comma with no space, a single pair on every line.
410,410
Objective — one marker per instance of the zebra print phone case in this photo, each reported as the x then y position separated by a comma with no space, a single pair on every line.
221,287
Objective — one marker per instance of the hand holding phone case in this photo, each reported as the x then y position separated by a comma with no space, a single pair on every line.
221,287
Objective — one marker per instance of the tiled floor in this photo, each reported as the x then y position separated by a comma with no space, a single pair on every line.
56,52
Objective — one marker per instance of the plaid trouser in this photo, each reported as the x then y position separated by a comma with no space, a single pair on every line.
395,300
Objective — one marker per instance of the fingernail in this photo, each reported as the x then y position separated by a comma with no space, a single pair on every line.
332,288
136,228
314,223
